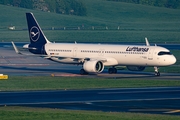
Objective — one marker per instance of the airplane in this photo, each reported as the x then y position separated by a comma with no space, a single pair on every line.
94,57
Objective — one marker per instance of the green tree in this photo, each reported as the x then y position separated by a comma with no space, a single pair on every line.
172,3
26,4
16,3
160,3
51,5
6,2
72,7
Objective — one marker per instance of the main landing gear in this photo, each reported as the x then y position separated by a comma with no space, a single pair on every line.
157,73
112,70
83,72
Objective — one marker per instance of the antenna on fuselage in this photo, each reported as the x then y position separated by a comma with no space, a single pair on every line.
147,42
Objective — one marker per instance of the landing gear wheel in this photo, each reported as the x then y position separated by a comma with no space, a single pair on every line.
112,70
83,72
157,73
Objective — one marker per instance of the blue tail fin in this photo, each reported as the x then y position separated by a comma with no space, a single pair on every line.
36,35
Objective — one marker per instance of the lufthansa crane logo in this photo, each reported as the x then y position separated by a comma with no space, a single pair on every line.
34,33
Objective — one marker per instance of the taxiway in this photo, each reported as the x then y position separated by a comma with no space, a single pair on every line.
159,100
163,100
19,65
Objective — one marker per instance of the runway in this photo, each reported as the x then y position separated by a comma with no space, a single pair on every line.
159,100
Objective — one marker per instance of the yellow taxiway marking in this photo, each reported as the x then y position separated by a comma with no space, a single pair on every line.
169,111
173,111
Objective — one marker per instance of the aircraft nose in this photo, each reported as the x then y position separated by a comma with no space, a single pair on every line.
173,60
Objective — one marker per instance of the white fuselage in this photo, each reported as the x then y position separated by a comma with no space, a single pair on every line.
94,57
111,55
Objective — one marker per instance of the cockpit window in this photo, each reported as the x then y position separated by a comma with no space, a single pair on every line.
164,53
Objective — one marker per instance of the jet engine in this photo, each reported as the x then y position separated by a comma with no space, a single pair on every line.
93,66
135,68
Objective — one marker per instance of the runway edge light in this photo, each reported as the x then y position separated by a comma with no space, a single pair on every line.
3,77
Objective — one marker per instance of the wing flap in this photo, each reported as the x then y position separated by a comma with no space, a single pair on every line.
60,57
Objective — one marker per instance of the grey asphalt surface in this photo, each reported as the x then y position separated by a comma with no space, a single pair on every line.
158,100
145,100
18,65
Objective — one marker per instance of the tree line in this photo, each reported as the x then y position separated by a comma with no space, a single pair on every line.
72,7
175,4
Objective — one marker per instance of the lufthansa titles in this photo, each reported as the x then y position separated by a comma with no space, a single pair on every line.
137,49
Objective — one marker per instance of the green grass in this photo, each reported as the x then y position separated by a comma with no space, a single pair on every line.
23,113
100,36
135,21
61,83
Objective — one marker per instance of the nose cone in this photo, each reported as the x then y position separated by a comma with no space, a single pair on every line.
172,60
167,60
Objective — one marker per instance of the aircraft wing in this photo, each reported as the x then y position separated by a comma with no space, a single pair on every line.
107,61
96,59
57,56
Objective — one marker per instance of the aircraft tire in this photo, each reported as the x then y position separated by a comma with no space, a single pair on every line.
115,70
83,72
112,70
157,73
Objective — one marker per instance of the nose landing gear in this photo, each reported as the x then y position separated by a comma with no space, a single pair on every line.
157,73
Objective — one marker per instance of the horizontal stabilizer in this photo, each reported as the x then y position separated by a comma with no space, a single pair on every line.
30,48
18,52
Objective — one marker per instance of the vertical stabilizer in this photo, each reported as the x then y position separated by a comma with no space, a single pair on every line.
36,35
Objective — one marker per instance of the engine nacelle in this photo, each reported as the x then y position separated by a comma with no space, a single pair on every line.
135,68
93,66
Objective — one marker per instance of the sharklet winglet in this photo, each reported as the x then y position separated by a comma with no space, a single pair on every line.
147,42
15,48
